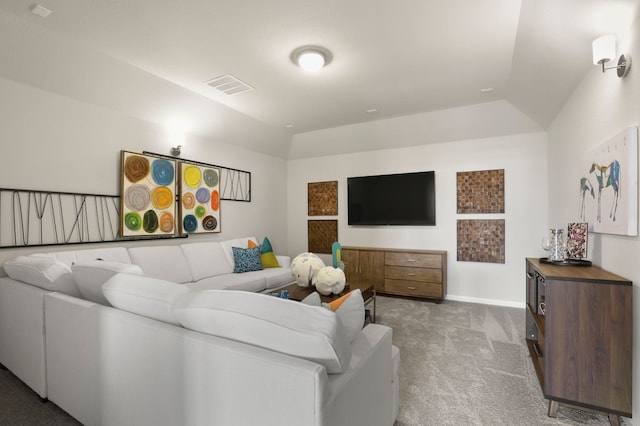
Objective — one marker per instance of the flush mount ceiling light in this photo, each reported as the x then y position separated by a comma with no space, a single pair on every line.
311,58
604,50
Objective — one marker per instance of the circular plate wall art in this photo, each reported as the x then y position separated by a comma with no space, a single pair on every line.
199,198
147,195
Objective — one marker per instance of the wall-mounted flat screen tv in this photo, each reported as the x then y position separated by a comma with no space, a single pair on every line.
396,199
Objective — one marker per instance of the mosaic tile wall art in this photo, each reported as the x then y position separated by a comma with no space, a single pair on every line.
322,234
480,191
322,198
481,240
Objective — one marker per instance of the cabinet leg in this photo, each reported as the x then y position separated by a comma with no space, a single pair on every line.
614,419
553,408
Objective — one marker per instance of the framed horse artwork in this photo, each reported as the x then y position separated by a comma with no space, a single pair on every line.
609,185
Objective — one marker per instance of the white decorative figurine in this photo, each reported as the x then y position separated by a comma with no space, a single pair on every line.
330,280
304,268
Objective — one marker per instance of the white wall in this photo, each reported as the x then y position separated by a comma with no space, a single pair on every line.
523,157
600,107
51,142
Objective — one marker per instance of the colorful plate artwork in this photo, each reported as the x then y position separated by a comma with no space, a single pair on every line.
192,176
161,198
148,195
200,199
188,200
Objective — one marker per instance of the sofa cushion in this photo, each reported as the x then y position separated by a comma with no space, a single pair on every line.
69,257
277,277
206,259
246,259
249,281
145,296
281,325
111,254
90,277
162,262
44,272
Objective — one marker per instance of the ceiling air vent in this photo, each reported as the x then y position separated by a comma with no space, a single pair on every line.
228,84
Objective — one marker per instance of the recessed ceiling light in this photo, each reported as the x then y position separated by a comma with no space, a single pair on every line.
288,126
311,58
486,90
41,11
372,110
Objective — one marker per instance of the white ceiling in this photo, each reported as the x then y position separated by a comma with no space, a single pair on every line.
150,58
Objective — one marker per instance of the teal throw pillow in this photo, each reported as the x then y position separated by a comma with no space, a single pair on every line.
268,258
266,246
246,260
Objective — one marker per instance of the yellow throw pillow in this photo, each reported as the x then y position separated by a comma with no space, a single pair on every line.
269,260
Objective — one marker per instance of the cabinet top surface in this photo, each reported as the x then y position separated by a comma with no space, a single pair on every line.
398,250
576,273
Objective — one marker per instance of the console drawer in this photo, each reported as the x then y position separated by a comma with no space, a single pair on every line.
416,260
413,288
413,274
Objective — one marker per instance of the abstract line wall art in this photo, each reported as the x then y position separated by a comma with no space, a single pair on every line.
608,196
199,198
147,197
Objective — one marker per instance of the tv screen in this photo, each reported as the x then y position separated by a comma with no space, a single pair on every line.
396,199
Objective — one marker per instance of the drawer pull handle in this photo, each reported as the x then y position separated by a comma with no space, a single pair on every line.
529,275
411,288
411,274
538,349
411,260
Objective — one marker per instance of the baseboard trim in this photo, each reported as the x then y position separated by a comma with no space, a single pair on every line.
506,303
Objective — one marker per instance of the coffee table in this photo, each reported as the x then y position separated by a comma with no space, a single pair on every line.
298,293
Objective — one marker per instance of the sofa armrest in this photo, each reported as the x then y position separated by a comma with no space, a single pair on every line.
363,395
284,261
22,332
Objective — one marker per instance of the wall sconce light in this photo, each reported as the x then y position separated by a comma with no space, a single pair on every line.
311,58
604,50
175,151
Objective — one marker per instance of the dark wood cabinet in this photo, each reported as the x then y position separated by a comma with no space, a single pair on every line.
364,266
579,335
415,273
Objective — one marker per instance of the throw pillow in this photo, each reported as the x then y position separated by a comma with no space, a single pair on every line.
91,276
146,296
251,244
313,299
246,260
44,272
350,310
267,256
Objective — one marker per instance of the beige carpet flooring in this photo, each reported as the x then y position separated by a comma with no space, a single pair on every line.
468,364
461,364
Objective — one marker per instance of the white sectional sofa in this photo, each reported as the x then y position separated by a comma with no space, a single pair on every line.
106,365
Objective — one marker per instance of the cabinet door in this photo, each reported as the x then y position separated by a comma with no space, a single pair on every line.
351,260
372,268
